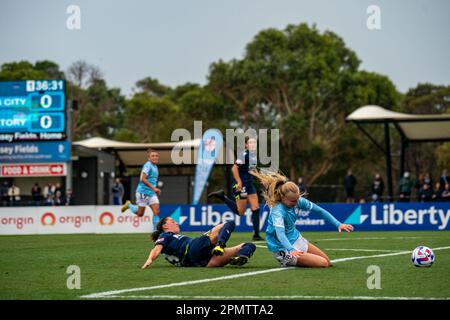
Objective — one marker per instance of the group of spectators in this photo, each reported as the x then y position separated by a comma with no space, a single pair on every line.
50,195
426,190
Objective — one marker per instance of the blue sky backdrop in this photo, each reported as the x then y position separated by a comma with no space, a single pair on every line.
175,41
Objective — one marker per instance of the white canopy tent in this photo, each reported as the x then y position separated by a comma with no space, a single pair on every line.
411,127
133,154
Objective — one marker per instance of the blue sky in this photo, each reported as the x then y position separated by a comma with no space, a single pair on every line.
175,41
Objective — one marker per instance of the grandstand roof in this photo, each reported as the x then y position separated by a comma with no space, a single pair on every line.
413,127
133,154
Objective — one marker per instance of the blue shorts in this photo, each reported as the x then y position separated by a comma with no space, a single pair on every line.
199,252
247,187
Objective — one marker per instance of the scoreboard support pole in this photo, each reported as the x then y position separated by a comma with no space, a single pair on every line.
69,182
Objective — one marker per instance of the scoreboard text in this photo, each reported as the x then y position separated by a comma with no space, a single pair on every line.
32,110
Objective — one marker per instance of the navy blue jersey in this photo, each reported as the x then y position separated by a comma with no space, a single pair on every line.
246,161
174,246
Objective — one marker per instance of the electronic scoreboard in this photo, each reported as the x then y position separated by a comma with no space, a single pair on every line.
32,110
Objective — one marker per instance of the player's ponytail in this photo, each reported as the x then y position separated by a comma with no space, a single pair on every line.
159,229
275,184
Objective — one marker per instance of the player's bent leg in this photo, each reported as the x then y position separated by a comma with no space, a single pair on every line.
214,233
253,201
155,209
220,261
309,260
315,250
140,211
223,236
241,206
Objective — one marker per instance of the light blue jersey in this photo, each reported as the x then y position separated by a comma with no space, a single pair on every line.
152,176
281,232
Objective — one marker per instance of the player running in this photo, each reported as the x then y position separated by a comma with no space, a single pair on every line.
146,192
208,250
283,239
243,188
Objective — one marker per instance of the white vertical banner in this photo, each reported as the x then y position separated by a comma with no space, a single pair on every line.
209,149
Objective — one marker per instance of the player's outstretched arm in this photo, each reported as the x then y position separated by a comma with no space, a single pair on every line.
152,256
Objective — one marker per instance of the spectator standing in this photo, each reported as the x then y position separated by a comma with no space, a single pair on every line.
118,192
444,179
405,187
349,185
377,188
14,195
437,194
36,194
4,193
427,180
49,200
302,186
59,201
69,199
49,189
425,193
445,196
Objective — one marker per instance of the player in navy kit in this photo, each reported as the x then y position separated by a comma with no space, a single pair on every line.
243,188
208,250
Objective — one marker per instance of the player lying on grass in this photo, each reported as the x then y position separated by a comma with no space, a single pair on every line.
208,250
283,239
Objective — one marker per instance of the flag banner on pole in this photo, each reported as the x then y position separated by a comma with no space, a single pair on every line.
208,151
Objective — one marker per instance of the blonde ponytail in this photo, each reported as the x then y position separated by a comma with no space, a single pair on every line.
275,184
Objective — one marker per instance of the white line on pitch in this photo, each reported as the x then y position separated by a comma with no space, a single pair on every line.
239,275
365,238
368,250
275,297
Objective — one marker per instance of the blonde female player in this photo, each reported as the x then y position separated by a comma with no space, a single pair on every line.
283,239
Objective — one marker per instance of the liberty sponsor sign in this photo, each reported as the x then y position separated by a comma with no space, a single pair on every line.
200,218
364,217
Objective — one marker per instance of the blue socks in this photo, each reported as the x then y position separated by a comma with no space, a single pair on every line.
155,221
133,208
246,250
231,204
225,233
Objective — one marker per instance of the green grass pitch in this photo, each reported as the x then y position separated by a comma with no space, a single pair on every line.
35,267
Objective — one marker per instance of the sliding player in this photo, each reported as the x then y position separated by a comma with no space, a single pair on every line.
146,192
208,250
283,239
244,190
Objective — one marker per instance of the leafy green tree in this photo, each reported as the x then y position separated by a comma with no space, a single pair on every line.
24,70
307,82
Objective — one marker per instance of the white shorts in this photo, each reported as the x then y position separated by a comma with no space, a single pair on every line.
143,200
287,260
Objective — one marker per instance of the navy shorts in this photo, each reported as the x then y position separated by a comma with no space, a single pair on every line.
247,187
199,252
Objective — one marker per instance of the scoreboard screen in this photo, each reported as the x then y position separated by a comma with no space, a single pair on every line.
32,110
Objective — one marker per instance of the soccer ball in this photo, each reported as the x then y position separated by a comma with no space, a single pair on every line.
422,256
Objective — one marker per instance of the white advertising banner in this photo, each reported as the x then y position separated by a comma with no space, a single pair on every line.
72,219
111,220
